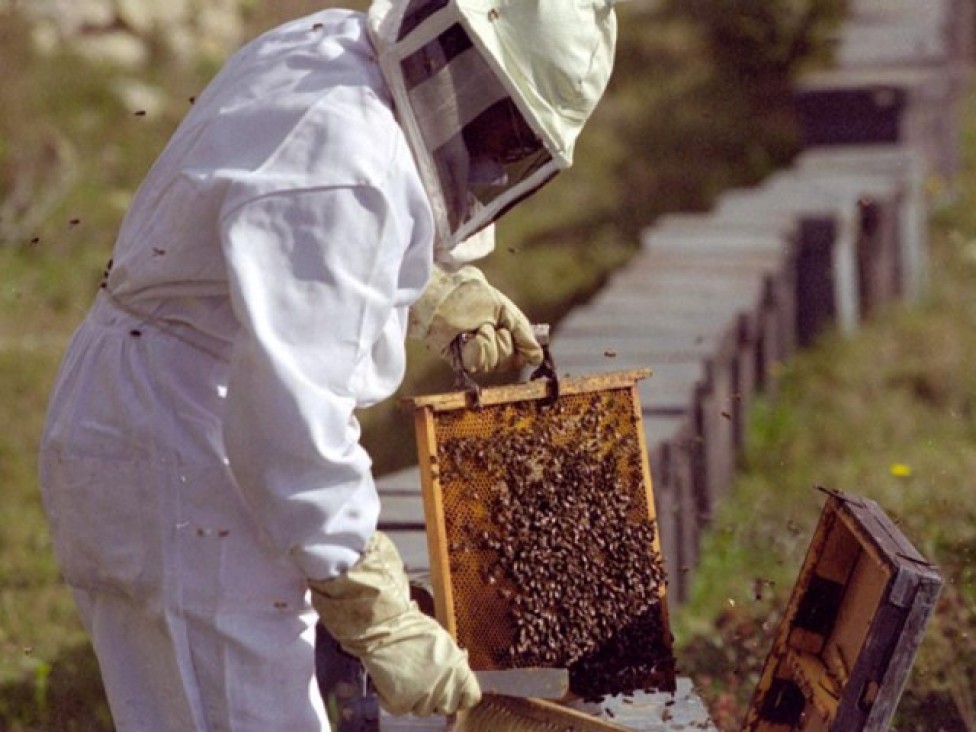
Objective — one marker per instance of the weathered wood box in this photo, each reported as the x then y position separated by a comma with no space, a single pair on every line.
851,629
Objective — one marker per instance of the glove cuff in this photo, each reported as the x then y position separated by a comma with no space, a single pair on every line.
413,662
441,285
371,592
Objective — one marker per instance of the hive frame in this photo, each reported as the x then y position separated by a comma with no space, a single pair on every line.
428,410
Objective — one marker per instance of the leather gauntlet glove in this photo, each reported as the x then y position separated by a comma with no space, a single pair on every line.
497,335
414,663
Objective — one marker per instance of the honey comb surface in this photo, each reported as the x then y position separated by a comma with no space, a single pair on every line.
548,524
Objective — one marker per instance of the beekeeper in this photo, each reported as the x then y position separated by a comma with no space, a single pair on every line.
201,463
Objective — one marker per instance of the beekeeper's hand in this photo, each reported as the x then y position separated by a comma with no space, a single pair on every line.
496,335
415,665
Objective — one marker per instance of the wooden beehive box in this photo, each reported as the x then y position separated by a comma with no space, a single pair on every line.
851,629
541,527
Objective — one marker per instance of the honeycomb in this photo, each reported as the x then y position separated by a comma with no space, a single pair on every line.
540,519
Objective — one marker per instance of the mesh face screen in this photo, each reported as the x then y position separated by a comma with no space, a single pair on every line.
416,13
547,522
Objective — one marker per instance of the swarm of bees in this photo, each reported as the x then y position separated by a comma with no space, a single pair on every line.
563,535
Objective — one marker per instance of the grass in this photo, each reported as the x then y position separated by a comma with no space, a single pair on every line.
47,672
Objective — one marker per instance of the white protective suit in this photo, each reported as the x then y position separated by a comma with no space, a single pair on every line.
258,295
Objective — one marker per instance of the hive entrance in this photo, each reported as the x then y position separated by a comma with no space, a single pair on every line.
541,525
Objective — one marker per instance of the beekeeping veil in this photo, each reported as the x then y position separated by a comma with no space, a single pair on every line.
491,94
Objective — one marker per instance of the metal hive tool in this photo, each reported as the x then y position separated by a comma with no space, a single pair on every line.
541,528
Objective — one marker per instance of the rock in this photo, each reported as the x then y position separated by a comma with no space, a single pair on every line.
140,97
115,47
143,17
123,31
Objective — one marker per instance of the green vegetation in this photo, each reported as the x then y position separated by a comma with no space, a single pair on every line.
677,128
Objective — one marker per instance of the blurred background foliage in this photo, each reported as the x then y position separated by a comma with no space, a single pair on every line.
699,102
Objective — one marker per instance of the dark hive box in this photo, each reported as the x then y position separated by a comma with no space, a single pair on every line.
853,624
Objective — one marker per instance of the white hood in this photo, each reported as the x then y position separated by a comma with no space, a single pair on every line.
491,94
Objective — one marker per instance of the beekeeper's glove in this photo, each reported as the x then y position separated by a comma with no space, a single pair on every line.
415,665
496,335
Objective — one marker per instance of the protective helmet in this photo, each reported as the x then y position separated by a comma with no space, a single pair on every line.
491,95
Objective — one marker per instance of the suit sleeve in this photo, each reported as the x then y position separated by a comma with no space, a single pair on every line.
316,283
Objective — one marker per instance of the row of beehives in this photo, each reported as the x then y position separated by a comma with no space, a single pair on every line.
714,301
